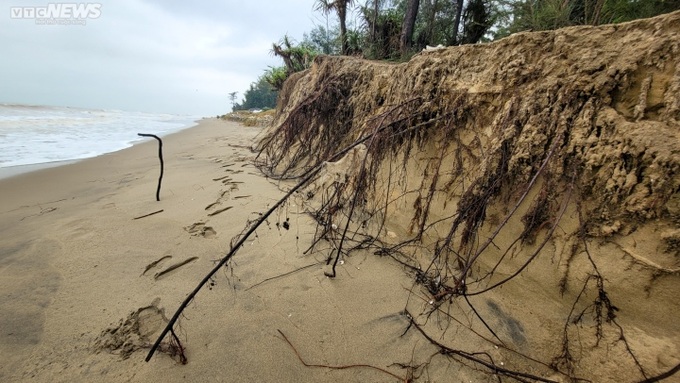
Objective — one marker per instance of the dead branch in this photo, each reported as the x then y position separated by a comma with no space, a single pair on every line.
216,212
148,215
174,267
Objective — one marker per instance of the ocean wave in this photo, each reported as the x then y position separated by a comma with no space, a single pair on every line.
34,134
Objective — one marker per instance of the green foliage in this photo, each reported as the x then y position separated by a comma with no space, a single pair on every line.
618,11
323,40
339,7
434,25
552,14
276,76
540,15
476,21
355,42
382,33
295,58
260,95
378,34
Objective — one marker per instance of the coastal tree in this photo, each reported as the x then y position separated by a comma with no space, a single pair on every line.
296,57
428,26
475,21
232,99
324,40
453,40
408,25
374,18
340,7
383,40
260,95
551,14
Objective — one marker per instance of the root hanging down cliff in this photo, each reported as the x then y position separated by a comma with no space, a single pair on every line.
531,185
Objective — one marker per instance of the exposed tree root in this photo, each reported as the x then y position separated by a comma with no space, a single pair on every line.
340,367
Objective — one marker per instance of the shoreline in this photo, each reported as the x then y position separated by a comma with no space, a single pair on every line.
15,170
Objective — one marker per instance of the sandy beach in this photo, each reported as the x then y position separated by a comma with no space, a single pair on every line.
75,264
502,212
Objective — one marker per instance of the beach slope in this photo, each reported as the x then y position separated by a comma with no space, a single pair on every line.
85,286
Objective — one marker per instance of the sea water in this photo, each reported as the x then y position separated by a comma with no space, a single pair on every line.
42,134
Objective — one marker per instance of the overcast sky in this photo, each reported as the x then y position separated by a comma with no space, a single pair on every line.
173,56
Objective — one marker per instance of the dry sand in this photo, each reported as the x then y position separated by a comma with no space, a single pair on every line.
73,260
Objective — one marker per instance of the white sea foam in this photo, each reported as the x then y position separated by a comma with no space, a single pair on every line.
38,134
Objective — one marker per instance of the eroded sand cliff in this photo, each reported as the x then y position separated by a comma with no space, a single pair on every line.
530,185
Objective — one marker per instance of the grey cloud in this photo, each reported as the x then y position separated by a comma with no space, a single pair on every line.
157,56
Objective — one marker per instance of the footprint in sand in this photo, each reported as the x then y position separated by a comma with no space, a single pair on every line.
136,332
233,185
199,229
223,196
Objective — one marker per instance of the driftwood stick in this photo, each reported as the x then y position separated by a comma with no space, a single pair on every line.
156,262
148,215
174,267
160,157
216,212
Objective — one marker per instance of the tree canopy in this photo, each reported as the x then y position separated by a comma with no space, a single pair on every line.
260,95
396,29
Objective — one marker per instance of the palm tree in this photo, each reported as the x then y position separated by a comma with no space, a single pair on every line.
295,57
232,98
340,7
